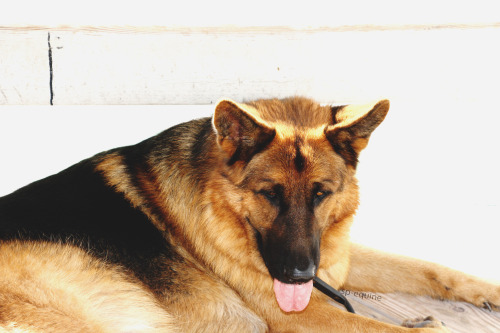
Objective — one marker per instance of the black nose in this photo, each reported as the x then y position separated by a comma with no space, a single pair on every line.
297,275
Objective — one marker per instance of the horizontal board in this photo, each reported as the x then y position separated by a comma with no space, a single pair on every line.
257,12
24,67
110,65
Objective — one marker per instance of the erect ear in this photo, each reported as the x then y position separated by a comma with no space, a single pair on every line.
240,132
353,127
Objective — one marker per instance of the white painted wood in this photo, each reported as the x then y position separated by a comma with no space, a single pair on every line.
317,13
24,74
199,68
201,65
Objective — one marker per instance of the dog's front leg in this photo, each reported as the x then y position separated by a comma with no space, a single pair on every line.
320,316
375,271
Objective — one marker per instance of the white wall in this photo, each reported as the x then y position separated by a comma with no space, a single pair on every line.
247,13
429,177
199,65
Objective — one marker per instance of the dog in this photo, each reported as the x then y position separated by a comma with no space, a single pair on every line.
215,225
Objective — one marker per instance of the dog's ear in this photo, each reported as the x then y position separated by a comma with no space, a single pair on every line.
240,132
352,127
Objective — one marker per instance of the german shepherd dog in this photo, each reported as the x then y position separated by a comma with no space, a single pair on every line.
215,225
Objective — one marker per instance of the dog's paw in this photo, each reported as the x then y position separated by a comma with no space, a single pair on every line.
488,299
491,307
427,322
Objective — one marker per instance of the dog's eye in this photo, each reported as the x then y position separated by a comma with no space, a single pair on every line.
319,196
271,196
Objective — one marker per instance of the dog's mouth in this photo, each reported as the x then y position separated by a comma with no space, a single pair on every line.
293,296
292,274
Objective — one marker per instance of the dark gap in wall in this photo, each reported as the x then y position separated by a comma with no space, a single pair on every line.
51,72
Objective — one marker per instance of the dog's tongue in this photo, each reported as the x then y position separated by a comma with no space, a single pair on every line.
292,297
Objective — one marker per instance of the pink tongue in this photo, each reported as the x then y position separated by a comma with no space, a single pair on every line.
292,297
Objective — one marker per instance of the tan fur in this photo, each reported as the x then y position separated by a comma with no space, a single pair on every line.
57,288
383,272
211,215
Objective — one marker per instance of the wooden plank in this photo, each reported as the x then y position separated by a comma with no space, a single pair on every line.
250,29
199,68
257,12
24,67
116,65
459,317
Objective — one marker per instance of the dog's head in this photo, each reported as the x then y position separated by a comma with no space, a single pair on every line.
293,161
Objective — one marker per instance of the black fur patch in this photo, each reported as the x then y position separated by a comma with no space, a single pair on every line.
336,109
76,207
341,143
300,161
